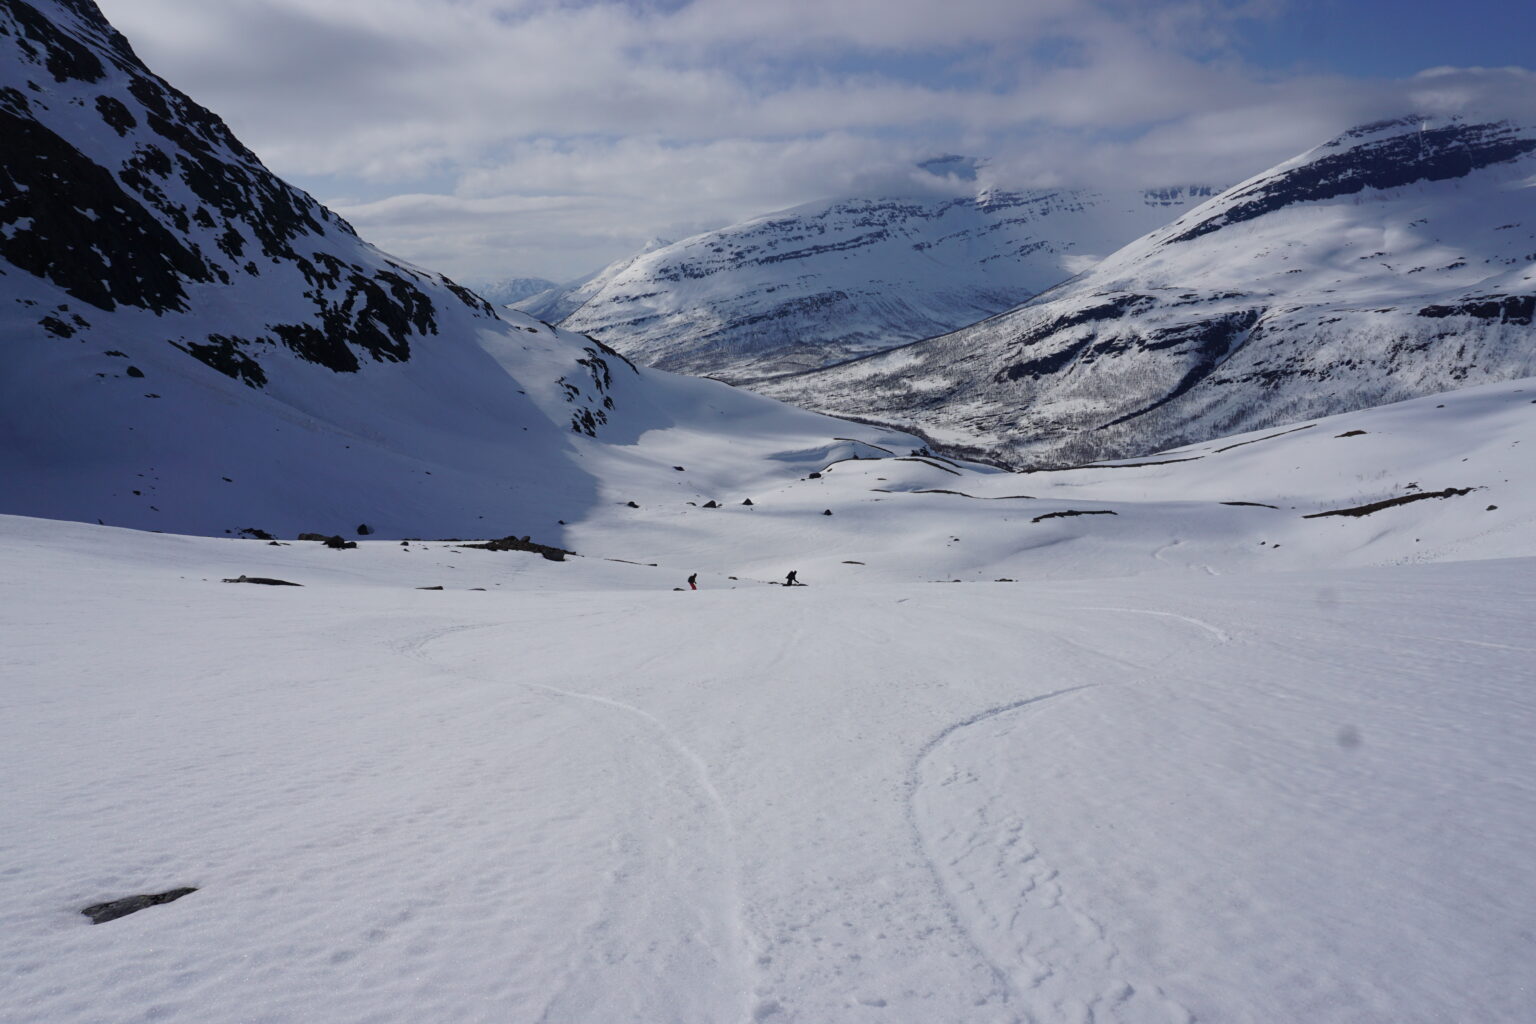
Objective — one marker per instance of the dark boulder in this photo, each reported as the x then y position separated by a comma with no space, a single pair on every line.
549,551
100,913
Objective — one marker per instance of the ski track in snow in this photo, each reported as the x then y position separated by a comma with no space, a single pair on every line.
1006,982
602,961
1220,635
1043,950
1459,640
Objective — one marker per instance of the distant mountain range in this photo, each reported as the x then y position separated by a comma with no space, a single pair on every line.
559,301
509,290
823,282
1396,260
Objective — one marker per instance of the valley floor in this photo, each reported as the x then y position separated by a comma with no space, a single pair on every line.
583,796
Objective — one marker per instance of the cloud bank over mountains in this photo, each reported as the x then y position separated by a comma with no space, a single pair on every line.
487,137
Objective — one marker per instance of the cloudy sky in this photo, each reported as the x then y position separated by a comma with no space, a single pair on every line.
497,138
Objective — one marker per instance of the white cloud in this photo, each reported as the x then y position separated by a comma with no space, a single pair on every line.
559,135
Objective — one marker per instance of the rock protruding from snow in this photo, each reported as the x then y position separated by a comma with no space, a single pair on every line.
101,913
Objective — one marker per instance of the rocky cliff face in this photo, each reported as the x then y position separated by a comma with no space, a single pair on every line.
828,281
103,159
1396,260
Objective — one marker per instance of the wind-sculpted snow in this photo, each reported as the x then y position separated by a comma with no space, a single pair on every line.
826,281
1397,260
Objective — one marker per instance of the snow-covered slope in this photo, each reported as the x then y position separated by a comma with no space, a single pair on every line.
510,290
1456,470
190,344
559,301
580,796
822,282
1398,259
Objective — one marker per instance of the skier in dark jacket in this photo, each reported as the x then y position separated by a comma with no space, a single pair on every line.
693,582
792,580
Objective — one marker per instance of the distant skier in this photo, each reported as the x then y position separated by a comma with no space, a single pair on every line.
792,580
693,582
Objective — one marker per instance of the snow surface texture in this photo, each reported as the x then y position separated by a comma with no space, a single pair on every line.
1396,260
193,345
582,796
829,280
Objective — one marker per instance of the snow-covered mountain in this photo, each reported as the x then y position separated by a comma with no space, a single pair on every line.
1398,259
193,345
825,281
557,302
509,290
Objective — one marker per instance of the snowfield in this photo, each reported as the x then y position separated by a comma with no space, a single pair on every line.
1243,731
1195,788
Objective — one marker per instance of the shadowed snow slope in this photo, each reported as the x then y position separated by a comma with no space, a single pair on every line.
1395,260
1238,504
193,345
834,279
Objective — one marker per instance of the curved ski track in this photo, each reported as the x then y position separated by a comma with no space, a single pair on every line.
1044,952
571,1003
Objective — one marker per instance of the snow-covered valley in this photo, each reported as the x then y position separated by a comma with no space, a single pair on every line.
1239,731
1146,778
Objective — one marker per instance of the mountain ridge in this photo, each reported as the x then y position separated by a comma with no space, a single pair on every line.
834,279
1304,291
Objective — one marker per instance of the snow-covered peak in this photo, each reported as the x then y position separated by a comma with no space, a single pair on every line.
828,280
1398,259
557,302
509,290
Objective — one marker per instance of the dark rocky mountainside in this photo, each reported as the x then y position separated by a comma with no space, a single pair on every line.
1396,260
104,159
